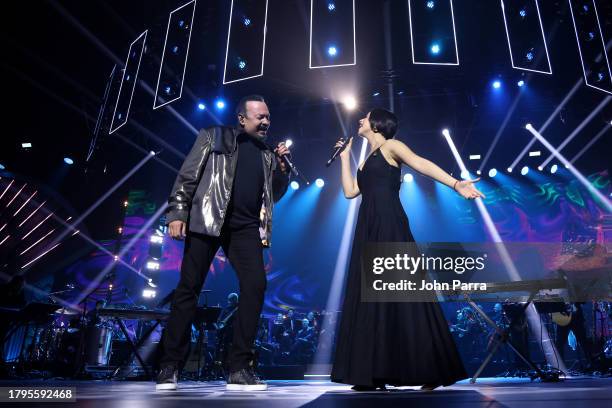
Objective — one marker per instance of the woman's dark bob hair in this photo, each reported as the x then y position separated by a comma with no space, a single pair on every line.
383,122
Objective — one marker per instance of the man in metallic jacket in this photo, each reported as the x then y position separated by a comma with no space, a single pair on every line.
223,197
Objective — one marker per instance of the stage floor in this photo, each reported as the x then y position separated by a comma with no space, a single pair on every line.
487,392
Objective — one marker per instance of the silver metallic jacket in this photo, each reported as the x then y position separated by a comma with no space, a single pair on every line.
203,187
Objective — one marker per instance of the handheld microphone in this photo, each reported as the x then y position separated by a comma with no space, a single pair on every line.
292,169
338,151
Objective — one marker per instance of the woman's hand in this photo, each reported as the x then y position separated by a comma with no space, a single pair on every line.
467,190
346,153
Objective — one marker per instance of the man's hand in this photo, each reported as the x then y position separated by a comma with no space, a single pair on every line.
177,229
280,151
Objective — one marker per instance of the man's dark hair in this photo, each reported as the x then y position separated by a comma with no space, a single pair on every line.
383,122
241,108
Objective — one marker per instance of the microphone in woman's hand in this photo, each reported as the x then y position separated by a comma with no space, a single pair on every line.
337,151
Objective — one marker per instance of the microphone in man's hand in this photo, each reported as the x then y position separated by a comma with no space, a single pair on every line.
337,151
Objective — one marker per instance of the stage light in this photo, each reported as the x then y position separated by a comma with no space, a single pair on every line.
465,174
349,103
2,166
509,169
181,23
156,239
167,89
408,178
288,143
175,49
332,51
474,157
68,160
246,21
492,173
535,153
600,76
524,170
553,169
530,55
496,84
523,13
540,168
521,83
590,36
331,6
220,104
153,265
319,182
435,48
201,106
242,64
376,94
26,145
294,185
430,5
148,293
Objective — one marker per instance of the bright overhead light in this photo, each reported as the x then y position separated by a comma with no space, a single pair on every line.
350,102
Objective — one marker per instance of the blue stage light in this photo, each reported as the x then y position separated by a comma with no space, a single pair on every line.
181,23
553,169
242,64
408,178
600,76
496,84
521,83
2,166
435,48
590,36
201,106
295,185
524,170
220,104
175,49
319,182
465,174
332,51
68,160
331,6
509,169
530,56
246,21
492,173
376,94
430,4
167,89
523,13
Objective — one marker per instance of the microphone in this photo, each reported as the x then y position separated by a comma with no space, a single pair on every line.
337,152
292,169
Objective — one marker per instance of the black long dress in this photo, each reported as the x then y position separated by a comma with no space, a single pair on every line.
399,343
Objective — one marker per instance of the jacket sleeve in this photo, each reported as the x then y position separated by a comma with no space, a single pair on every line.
187,179
280,183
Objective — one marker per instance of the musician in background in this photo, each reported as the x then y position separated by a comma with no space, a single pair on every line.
225,317
303,347
576,325
93,316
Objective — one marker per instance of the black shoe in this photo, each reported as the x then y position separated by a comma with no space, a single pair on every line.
369,387
245,380
167,378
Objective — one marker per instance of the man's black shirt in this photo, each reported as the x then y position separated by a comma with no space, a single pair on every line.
247,191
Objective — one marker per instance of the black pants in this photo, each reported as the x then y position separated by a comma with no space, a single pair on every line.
244,250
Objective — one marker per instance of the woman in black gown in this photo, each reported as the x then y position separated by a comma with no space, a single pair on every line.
398,343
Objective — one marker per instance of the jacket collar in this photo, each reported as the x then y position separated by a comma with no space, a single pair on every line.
224,139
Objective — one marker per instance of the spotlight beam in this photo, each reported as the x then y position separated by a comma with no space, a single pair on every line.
102,199
591,143
579,128
548,122
335,293
96,281
602,199
501,130
533,317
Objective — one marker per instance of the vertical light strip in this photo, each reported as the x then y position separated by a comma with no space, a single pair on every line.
586,80
161,65
127,113
332,65
549,72
263,51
